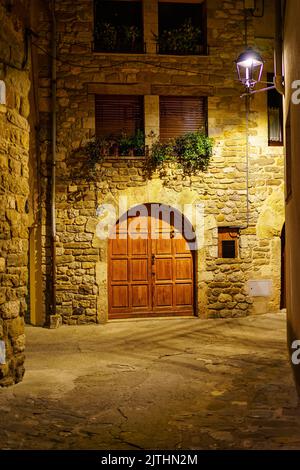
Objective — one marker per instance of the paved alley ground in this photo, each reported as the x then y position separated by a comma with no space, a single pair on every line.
155,384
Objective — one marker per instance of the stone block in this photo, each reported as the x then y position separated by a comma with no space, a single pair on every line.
64,259
2,265
16,327
91,225
225,298
19,344
10,309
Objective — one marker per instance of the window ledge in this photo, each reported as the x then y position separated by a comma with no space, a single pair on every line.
181,55
275,144
120,158
148,55
113,54
228,260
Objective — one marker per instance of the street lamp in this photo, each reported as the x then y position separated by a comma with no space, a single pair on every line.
249,67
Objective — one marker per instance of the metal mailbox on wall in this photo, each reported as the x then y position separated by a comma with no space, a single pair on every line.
260,288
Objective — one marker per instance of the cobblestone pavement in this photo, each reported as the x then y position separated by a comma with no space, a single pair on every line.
160,384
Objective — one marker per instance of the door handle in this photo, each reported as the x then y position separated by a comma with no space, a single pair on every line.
153,259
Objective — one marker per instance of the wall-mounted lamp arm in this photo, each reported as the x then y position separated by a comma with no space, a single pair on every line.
253,92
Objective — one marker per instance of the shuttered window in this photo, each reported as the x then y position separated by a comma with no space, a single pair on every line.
182,114
275,115
118,114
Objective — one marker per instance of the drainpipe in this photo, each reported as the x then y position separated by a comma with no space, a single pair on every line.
247,161
278,78
53,165
247,169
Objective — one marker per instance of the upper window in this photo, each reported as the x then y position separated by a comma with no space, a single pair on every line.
181,28
275,116
118,26
120,123
182,114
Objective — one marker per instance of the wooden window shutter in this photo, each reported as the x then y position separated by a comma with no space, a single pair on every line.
118,114
182,114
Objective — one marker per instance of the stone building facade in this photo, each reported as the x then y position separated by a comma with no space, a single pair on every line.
14,189
247,284
292,118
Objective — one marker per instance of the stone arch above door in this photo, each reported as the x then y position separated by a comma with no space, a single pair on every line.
152,191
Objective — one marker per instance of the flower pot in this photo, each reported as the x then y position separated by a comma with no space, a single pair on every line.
115,150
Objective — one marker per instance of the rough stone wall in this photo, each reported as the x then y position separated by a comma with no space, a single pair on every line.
292,119
81,258
44,136
14,189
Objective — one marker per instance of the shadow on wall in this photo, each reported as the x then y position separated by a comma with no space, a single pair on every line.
272,216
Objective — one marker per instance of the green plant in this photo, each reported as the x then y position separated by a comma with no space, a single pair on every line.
161,151
183,40
194,151
106,36
95,150
132,145
138,143
125,144
132,36
98,148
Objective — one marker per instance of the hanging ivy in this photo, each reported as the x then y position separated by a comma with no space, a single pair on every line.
98,148
95,150
192,151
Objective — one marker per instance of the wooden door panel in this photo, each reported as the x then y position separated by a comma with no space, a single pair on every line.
181,246
184,295
119,270
120,297
140,296
184,268
139,270
119,247
163,269
139,246
163,246
164,296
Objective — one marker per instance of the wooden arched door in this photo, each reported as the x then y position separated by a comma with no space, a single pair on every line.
151,267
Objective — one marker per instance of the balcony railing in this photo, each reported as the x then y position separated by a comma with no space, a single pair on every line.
120,47
113,38
199,49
